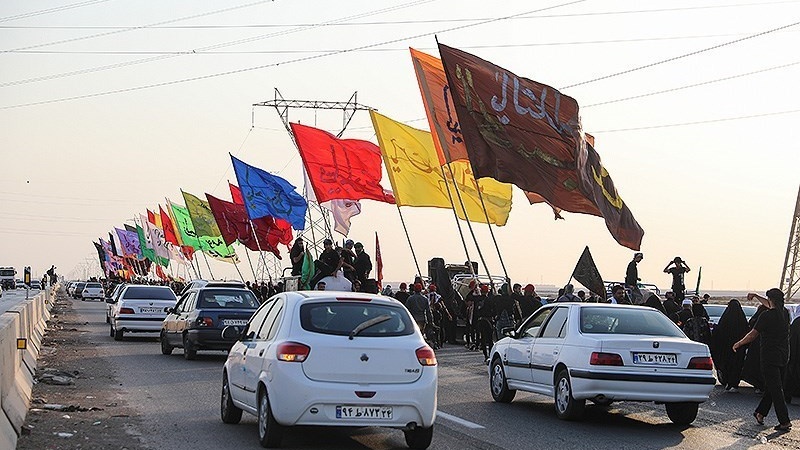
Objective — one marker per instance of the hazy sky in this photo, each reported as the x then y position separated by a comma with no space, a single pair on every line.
702,148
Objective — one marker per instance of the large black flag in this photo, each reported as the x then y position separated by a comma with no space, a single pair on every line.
586,273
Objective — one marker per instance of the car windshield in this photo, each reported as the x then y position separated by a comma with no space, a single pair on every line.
341,319
228,298
149,292
616,320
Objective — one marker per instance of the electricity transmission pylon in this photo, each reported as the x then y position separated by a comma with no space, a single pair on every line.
318,218
790,278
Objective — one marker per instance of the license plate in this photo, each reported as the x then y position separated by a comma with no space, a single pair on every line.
667,359
364,412
147,309
234,322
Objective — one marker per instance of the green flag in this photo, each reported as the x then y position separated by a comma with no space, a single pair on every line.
308,271
207,231
183,223
147,252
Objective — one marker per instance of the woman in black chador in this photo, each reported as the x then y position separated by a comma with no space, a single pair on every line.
791,386
731,328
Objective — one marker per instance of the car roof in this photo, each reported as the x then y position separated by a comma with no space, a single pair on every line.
339,295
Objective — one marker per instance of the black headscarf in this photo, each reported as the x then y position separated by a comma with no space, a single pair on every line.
654,302
731,328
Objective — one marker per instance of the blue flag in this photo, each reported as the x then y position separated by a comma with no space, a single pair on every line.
265,194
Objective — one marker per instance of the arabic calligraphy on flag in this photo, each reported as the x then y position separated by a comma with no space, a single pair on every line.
265,194
524,132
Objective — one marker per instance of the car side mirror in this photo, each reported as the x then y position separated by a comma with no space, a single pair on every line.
508,332
230,333
109,300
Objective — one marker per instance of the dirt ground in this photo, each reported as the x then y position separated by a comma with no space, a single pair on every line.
85,412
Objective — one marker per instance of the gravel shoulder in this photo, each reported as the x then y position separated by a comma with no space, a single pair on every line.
77,400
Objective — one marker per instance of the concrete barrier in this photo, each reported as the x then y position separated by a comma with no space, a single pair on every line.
18,367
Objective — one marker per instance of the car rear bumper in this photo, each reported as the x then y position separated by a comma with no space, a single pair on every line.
143,324
300,401
649,387
209,339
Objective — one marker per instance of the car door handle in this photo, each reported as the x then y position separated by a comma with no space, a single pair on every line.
555,352
261,353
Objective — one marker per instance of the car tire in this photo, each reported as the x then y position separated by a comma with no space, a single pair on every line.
567,407
498,383
419,438
118,335
270,432
682,413
189,352
229,412
166,349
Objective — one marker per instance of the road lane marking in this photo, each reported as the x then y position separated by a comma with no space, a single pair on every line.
458,420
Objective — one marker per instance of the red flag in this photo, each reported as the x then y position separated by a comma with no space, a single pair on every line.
235,225
166,224
527,133
347,169
378,261
151,217
160,272
236,194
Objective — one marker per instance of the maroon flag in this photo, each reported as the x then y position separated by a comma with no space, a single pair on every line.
347,169
235,225
523,132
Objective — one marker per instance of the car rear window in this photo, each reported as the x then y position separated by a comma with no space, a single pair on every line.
149,292
340,318
94,285
228,298
620,320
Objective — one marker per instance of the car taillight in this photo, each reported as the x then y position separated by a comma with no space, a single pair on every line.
126,311
701,362
426,356
293,352
205,322
605,359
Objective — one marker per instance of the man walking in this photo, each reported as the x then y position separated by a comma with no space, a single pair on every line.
632,278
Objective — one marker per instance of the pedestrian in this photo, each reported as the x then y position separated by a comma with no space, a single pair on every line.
568,295
357,285
751,372
362,264
731,328
705,299
402,294
349,257
773,330
698,309
678,273
296,255
792,384
483,316
506,311
618,296
529,302
685,313
321,286
387,291
671,306
419,307
632,278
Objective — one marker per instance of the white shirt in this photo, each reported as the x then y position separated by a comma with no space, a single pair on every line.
337,282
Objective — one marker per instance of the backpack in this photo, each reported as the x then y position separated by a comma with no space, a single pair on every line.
697,329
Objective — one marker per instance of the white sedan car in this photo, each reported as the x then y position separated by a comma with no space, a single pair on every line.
140,309
604,353
331,358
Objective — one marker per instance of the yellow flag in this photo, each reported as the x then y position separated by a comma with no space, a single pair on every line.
418,179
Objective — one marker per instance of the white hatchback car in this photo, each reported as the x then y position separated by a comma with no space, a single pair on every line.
604,353
140,308
331,358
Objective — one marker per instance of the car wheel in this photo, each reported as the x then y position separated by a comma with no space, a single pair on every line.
189,352
229,412
499,385
270,432
682,413
118,335
419,438
567,408
166,349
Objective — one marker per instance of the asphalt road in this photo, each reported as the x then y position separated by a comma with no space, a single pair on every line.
179,404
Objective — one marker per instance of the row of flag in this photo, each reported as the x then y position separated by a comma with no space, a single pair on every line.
489,129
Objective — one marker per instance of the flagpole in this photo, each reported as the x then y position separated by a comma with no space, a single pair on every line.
249,261
458,224
408,238
258,244
489,224
207,264
236,265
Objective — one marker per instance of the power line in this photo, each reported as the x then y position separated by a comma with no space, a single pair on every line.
124,30
400,22
688,86
51,10
210,47
699,122
264,66
685,55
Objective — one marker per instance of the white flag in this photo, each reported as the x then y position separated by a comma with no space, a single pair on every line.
343,211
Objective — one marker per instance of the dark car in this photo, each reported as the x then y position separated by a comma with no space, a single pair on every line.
78,289
197,320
